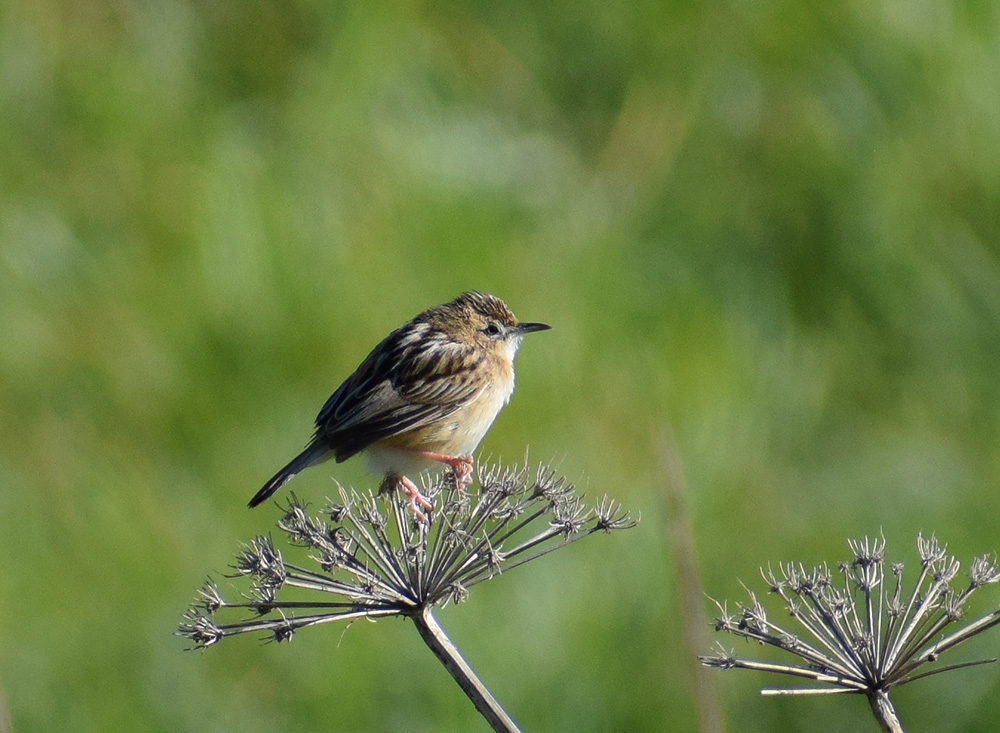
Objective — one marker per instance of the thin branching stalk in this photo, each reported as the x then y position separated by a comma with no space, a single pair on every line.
861,637
365,556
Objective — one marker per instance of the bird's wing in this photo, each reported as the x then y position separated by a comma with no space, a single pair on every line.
400,386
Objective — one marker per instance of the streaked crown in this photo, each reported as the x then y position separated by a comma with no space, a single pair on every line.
478,317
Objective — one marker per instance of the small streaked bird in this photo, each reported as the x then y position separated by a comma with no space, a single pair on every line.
425,395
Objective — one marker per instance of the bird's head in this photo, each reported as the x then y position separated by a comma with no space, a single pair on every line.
484,321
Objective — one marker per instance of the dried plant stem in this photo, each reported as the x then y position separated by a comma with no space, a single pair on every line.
439,643
689,588
375,560
884,711
863,634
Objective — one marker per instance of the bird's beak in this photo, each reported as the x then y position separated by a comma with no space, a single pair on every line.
523,328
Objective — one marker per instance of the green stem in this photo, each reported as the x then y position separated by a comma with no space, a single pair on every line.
448,654
884,711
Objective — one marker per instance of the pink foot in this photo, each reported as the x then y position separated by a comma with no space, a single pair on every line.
463,471
411,491
462,467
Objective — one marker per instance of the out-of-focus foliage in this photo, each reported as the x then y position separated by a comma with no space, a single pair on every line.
770,227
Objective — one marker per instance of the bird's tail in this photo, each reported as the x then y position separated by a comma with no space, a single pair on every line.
314,453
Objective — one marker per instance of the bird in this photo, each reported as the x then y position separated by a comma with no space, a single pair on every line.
425,395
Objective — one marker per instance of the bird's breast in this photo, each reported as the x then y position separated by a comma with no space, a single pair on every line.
470,423
455,434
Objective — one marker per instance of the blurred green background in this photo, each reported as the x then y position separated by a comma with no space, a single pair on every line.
767,228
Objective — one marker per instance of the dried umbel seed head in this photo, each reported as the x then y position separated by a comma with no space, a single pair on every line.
365,556
864,634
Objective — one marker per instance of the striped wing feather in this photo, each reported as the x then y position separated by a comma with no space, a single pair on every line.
403,385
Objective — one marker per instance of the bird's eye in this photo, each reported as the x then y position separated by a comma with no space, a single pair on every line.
492,329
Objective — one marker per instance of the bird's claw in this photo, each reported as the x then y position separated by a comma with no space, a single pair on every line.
462,468
411,491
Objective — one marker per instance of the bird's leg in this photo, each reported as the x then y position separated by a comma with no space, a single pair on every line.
461,465
411,491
